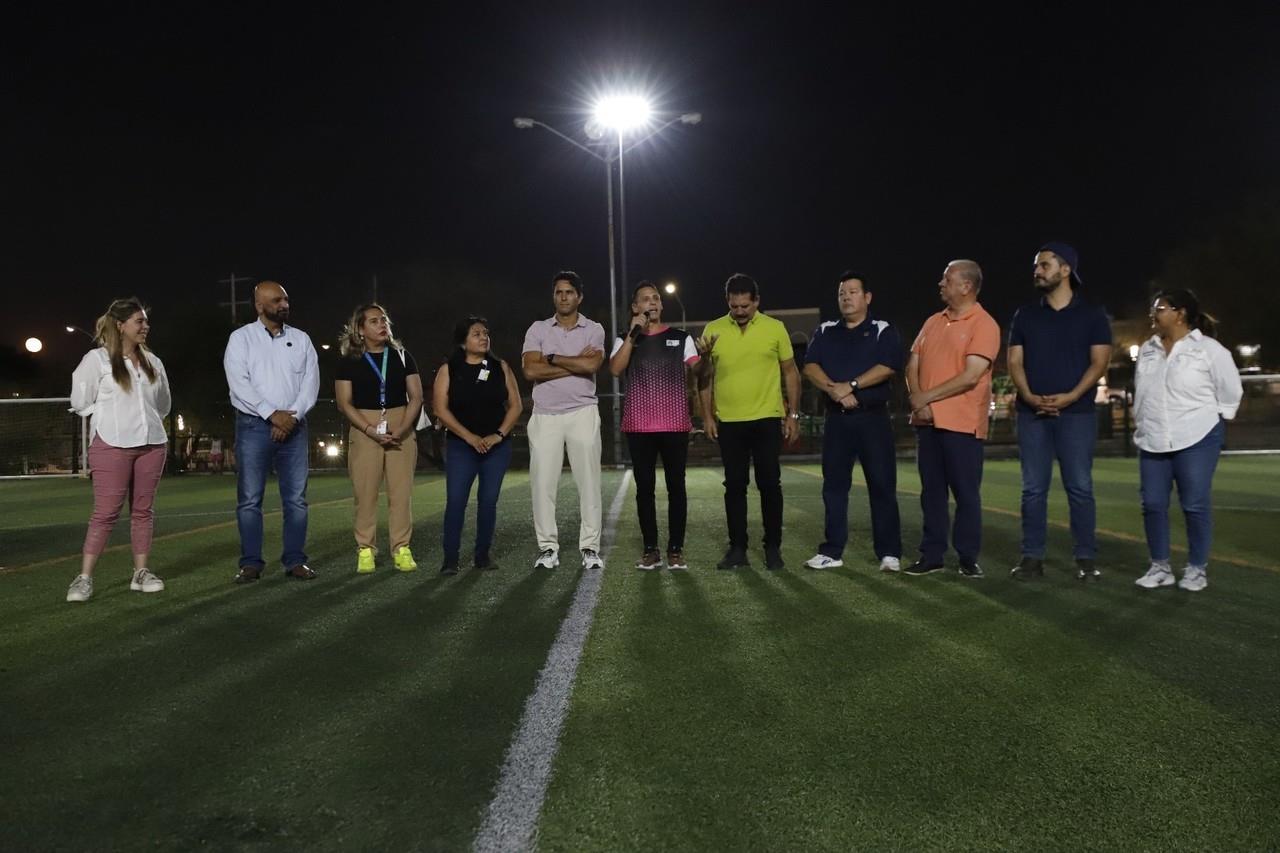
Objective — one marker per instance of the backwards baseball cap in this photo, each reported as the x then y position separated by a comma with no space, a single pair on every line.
1068,255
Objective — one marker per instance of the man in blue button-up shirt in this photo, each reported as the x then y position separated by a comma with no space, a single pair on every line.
852,361
274,377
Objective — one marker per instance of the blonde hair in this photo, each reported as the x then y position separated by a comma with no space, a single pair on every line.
108,334
351,342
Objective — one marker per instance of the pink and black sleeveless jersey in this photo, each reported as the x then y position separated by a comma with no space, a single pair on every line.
657,397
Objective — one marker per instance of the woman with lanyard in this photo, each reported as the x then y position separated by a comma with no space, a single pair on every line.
476,398
123,386
1185,384
380,392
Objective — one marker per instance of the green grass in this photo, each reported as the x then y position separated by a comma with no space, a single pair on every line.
747,710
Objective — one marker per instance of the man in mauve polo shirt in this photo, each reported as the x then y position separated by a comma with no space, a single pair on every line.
560,357
949,376
1059,346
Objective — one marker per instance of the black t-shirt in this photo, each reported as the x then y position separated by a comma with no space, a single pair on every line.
478,404
364,378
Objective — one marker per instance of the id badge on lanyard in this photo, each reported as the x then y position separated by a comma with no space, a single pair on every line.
382,389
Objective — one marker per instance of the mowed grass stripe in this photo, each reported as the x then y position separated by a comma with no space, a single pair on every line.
855,710
428,488
348,712
988,506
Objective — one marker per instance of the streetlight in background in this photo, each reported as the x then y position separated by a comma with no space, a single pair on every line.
671,290
73,329
620,114
33,345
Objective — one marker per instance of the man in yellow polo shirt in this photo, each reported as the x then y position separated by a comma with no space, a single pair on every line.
750,356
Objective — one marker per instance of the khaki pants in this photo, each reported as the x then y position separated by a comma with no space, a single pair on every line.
370,464
550,436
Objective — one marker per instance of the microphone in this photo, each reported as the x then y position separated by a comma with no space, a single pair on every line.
637,331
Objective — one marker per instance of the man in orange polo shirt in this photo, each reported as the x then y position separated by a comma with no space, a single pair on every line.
949,376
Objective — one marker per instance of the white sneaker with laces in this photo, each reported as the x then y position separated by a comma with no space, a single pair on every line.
1157,576
81,588
890,564
1194,579
591,559
548,559
822,561
144,581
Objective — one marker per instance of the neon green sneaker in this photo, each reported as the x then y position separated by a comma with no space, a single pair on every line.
404,559
364,562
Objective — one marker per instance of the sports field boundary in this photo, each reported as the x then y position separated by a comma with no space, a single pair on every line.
511,818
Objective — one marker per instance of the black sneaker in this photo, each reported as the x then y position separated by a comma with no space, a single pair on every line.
970,570
1027,568
450,566
734,558
773,559
1086,570
484,562
922,567
651,559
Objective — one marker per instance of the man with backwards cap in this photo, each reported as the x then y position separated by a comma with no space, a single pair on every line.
1059,346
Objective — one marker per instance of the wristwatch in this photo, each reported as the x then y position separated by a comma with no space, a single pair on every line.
551,358
795,416
853,383
500,433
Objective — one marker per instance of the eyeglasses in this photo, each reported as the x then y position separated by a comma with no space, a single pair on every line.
1156,309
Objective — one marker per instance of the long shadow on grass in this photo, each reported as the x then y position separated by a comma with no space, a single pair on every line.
328,732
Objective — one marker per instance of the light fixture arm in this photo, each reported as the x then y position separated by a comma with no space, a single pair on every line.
533,122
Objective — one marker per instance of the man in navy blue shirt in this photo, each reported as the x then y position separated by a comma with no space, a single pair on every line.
1059,347
852,360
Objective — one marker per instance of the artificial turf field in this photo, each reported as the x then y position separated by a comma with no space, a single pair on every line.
712,710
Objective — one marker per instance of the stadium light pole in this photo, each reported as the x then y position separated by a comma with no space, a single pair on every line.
673,291
620,114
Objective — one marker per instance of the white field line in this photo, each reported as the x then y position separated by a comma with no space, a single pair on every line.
511,819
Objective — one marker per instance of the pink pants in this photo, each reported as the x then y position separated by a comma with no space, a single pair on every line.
116,472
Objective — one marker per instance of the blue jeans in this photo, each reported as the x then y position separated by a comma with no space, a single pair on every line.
1192,469
462,464
1070,438
256,453
950,461
865,437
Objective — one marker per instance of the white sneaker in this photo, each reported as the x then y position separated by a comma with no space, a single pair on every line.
591,559
144,581
890,564
1194,579
1157,576
548,559
81,588
822,561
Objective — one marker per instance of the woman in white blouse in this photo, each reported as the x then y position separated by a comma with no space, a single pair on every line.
1185,385
122,386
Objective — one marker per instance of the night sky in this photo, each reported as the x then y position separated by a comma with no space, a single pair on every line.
154,151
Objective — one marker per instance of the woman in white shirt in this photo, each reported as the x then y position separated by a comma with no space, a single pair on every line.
122,386
1186,384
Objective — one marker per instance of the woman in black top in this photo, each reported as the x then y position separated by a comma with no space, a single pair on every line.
477,400
379,390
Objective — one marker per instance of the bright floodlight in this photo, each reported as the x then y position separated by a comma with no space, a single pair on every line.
622,112
34,345
332,451
70,329
1134,349
671,287
522,123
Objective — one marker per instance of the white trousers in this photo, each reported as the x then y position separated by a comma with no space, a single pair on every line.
550,436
